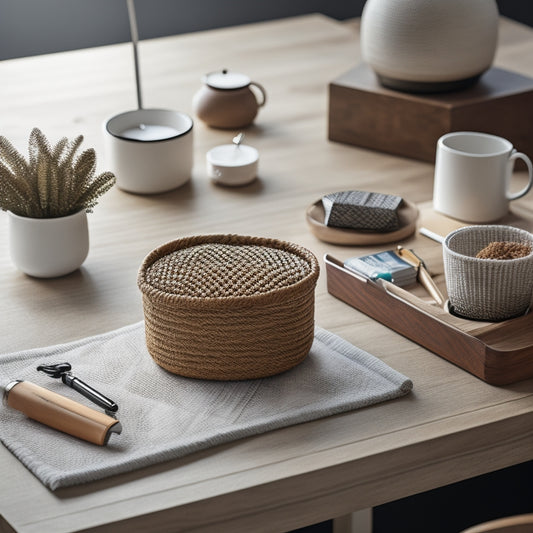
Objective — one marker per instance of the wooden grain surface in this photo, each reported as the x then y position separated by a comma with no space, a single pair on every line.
452,426
499,353
363,113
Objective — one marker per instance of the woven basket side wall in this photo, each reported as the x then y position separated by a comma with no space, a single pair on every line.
487,289
230,337
232,344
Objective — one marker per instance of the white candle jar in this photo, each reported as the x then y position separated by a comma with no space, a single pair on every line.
150,151
233,165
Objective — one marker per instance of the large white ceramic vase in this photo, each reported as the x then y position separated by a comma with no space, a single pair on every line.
429,45
48,247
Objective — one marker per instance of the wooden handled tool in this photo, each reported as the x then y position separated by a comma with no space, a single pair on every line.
60,412
423,275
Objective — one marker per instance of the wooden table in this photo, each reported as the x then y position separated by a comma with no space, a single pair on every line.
452,427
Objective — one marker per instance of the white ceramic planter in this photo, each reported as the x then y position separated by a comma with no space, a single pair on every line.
429,45
48,247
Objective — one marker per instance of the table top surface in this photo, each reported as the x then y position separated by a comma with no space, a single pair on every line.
451,427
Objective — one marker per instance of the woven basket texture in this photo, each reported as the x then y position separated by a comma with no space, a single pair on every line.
487,289
228,307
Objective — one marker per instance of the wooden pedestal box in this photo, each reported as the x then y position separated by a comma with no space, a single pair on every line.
363,113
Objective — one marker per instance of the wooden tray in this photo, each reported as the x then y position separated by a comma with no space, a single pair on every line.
499,353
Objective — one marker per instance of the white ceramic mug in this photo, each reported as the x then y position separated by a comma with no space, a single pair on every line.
472,176
149,150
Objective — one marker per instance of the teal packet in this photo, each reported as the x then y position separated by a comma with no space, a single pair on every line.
385,265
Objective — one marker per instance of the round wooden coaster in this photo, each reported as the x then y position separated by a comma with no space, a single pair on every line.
407,213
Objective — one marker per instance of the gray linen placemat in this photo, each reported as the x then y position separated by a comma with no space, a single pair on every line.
165,416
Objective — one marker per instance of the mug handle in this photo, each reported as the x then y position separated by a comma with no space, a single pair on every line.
519,155
262,91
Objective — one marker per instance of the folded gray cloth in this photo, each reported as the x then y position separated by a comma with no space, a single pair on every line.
165,416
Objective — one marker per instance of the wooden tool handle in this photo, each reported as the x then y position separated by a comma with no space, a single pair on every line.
427,281
61,413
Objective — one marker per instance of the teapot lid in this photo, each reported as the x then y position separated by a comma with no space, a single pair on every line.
226,80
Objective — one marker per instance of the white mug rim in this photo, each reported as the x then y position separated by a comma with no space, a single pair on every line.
442,145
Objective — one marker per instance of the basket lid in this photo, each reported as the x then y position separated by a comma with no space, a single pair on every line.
222,267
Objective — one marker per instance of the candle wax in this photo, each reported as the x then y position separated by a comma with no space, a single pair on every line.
150,132
229,155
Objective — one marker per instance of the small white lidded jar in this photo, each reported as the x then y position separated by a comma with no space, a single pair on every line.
232,164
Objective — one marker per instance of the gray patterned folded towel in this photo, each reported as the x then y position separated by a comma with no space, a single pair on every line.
165,416
362,210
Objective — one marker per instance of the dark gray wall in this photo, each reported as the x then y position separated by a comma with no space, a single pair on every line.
31,27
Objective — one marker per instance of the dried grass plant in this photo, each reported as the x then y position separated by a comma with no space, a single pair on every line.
53,182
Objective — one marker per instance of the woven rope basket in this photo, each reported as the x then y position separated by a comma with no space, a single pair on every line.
487,289
228,307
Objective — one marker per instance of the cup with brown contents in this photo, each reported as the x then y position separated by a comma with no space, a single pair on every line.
489,271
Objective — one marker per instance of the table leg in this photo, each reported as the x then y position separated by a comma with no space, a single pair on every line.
357,522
